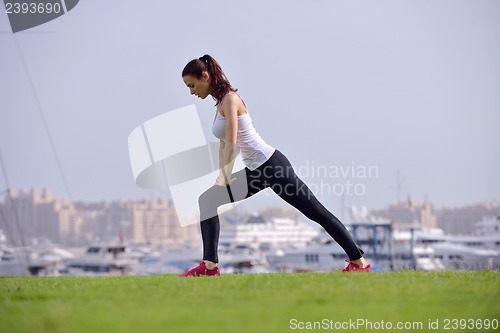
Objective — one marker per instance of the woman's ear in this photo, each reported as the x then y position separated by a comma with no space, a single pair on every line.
205,75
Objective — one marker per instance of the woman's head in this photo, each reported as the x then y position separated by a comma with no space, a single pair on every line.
204,76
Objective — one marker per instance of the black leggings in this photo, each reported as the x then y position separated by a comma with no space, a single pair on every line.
278,174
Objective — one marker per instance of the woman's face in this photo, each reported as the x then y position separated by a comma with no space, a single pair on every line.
199,87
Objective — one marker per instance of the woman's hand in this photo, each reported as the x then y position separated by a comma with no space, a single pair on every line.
221,182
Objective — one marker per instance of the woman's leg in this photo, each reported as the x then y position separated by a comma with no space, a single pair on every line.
247,183
293,190
277,173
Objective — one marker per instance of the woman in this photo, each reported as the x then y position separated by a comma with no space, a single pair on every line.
265,167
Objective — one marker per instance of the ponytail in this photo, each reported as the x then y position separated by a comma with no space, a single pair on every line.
219,84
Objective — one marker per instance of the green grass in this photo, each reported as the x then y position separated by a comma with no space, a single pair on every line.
244,303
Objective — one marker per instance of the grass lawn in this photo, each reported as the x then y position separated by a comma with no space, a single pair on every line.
251,303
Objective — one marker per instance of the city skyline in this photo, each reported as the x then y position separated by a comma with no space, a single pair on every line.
410,89
36,216
403,199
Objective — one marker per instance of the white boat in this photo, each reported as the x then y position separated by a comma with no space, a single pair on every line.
258,230
422,249
325,254
171,261
462,257
13,262
474,252
315,258
238,259
103,259
41,258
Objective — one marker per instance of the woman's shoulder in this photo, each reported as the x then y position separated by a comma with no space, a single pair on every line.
232,97
233,100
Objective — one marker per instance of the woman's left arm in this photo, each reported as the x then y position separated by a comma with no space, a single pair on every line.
230,108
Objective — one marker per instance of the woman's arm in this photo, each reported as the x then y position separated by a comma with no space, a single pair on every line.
220,178
228,149
221,156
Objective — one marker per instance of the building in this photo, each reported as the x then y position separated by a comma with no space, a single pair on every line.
156,222
405,215
454,221
29,215
462,220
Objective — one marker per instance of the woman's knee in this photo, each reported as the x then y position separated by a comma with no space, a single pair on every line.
312,209
204,200
211,199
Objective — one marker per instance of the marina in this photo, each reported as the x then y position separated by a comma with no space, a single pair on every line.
267,245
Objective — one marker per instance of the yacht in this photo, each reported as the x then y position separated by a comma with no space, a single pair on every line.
103,259
39,258
258,230
388,249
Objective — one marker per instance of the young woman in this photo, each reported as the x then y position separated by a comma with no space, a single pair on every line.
265,167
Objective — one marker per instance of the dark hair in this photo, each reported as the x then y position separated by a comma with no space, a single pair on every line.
219,84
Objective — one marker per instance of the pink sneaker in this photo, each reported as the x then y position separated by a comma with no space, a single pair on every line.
201,270
352,267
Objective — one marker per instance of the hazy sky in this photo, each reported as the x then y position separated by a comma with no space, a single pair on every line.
409,86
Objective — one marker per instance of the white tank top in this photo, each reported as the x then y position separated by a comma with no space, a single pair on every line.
254,150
